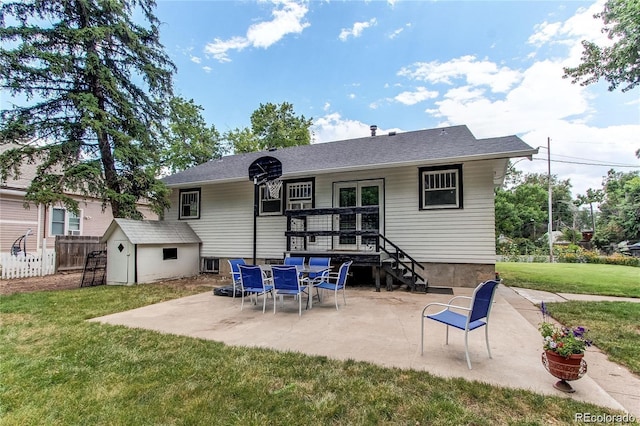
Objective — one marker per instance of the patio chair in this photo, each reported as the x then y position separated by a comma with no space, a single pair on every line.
252,283
314,278
477,315
336,282
235,272
286,282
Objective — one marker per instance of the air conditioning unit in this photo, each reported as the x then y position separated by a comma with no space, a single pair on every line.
210,265
74,233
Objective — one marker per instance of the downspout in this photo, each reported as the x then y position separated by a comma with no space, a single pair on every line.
135,264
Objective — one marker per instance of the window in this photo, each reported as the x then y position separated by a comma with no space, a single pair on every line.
441,187
169,253
58,221
64,222
299,195
190,204
74,224
270,204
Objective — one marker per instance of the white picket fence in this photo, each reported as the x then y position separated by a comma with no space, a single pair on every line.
29,265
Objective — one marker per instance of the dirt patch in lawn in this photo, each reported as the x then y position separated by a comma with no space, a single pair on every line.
70,280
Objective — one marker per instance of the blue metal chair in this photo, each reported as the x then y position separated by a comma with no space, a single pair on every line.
336,282
286,282
252,283
314,278
477,315
235,272
295,261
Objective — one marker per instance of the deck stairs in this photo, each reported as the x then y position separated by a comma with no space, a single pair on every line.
402,269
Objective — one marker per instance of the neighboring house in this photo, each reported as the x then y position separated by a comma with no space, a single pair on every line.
47,222
427,194
143,251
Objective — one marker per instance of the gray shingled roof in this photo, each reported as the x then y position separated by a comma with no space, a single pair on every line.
153,232
449,144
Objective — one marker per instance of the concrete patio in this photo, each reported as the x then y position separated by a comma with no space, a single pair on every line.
384,328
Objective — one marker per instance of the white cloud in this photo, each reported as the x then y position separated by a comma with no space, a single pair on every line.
357,29
536,103
414,97
207,69
196,59
475,72
288,18
333,127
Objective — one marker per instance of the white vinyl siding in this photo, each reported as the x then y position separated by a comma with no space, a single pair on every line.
443,236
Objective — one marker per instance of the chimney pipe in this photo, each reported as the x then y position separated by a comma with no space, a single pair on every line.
373,129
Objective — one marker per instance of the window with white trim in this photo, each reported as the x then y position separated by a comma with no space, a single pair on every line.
189,204
64,222
441,187
270,204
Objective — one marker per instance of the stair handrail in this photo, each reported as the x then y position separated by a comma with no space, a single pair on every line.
398,252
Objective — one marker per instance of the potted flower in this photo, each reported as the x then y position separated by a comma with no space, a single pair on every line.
564,349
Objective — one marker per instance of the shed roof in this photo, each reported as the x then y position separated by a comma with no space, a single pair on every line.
153,232
433,146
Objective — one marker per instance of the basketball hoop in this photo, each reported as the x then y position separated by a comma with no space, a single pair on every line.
273,186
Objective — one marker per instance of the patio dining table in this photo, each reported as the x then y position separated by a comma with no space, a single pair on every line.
304,270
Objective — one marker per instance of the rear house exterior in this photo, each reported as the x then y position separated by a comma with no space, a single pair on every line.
143,251
417,204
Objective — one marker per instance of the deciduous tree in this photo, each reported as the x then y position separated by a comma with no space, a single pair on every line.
188,140
619,64
272,126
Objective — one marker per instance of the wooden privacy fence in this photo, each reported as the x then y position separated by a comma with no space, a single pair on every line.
72,251
29,265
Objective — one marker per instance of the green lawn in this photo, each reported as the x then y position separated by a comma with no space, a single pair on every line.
614,326
582,278
58,369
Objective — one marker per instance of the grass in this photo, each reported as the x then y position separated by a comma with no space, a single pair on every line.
59,369
581,278
614,327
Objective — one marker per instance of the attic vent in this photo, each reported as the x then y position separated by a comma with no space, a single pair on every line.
443,132
373,129
392,133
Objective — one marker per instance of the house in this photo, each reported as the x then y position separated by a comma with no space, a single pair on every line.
144,251
42,224
419,203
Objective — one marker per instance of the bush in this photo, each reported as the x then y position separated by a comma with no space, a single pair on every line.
576,254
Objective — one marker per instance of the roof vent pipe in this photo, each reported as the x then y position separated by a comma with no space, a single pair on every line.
373,129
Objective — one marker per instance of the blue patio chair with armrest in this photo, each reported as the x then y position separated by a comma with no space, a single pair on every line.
314,278
286,282
336,281
235,272
477,315
252,282
294,261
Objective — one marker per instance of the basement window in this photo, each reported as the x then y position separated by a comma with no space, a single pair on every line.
169,253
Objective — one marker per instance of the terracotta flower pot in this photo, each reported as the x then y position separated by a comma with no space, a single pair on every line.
566,369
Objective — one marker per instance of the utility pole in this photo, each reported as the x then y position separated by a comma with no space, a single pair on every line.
550,225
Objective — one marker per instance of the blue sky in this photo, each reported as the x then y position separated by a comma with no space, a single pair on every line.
495,66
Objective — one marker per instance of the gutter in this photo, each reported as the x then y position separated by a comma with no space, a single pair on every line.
479,157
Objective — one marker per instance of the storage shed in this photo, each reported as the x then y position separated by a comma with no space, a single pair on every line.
143,251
